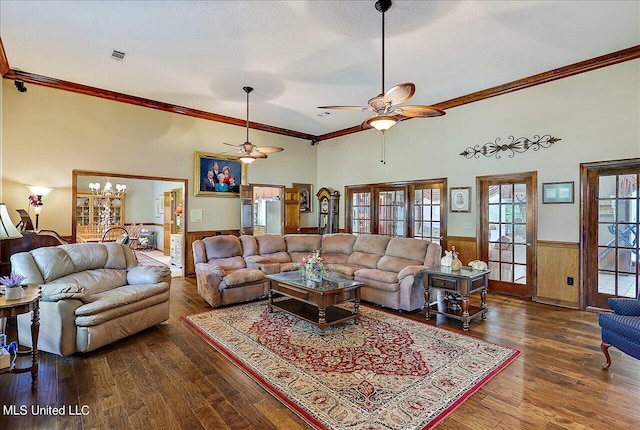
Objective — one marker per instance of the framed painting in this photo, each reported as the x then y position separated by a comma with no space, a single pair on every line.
306,196
218,175
461,199
557,192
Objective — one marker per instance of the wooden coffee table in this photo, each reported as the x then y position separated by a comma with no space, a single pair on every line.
314,301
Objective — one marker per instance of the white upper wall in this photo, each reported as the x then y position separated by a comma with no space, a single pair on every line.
596,114
46,133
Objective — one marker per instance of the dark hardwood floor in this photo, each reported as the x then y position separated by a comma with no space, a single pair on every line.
167,377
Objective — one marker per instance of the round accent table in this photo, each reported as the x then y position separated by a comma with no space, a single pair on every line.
30,302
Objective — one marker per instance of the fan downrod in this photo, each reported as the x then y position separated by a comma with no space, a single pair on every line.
383,5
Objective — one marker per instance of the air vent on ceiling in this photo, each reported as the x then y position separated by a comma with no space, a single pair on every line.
118,55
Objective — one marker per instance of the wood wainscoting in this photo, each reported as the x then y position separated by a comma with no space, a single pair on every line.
558,261
466,247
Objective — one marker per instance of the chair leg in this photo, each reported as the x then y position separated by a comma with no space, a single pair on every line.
605,348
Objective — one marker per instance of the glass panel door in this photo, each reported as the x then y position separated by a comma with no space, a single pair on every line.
507,234
617,205
392,213
426,214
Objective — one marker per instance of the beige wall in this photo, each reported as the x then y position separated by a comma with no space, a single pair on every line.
47,133
596,114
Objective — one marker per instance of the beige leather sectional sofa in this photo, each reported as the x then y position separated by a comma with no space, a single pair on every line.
231,269
92,294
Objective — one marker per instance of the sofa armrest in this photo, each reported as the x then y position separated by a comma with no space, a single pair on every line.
625,306
55,292
410,270
148,275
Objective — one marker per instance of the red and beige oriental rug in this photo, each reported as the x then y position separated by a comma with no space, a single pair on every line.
386,372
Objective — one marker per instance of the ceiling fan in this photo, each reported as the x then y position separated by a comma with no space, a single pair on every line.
247,150
385,106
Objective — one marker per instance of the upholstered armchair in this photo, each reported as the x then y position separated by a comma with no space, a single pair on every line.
621,328
222,274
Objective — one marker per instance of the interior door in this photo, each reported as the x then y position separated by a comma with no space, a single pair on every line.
246,209
291,210
507,236
610,223
167,221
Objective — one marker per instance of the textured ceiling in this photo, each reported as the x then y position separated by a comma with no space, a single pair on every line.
302,54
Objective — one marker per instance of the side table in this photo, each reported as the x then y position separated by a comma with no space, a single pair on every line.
463,282
30,302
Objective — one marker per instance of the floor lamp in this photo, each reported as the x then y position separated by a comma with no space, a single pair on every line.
39,192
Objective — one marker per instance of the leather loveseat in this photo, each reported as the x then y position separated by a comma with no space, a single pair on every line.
388,267
92,295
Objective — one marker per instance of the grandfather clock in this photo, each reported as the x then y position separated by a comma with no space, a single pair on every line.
328,210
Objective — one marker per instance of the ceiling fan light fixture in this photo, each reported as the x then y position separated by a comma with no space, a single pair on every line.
247,159
382,122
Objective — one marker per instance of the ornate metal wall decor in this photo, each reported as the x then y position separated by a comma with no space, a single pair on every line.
521,144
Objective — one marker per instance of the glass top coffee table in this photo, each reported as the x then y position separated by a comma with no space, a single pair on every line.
314,301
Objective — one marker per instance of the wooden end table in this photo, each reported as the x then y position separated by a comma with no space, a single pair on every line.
30,302
463,282
313,301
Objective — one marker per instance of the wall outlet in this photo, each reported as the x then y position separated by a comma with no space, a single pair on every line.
468,225
569,280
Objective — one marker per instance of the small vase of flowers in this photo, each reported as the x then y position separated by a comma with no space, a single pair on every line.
13,286
313,267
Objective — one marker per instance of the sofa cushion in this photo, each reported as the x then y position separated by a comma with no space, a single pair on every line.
249,245
23,263
121,302
337,243
243,276
382,276
335,258
627,326
371,244
364,259
395,264
53,262
120,296
96,280
345,269
407,248
86,256
303,243
270,244
222,246
231,263
277,257
288,267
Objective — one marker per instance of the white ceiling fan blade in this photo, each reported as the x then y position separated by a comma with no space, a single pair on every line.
418,111
400,93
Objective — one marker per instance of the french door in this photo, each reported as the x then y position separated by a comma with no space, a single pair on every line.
610,225
507,236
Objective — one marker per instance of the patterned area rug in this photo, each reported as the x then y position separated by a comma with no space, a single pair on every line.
386,372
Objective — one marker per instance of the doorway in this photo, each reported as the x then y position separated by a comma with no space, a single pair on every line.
610,223
507,237
141,204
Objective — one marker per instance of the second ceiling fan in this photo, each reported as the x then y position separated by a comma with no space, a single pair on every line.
385,106
247,150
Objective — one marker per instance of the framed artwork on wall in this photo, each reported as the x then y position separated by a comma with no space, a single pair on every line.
218,175
460,199
306,196
557,192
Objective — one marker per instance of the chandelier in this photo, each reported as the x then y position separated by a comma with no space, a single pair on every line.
107,193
